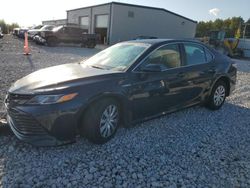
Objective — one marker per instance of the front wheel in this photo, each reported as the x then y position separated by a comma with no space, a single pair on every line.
100,121
217,96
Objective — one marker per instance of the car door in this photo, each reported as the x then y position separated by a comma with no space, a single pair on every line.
75,35
67,35
62,34
198,70
156,92
79,35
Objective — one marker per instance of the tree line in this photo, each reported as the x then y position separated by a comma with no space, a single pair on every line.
6,28
231,26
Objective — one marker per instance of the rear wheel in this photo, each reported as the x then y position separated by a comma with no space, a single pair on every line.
91,45
217,96
100,121
52,41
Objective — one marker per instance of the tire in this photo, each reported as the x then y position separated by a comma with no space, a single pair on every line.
52,41
95,126
217,96
83,45
91,44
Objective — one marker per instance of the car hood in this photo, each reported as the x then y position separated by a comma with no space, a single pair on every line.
33,30
56,77
47,31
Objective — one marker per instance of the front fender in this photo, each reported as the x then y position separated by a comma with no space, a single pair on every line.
122,99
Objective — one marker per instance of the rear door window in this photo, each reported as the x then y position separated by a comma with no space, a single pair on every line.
209,55
195,54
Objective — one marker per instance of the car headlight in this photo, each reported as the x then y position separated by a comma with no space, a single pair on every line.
51,99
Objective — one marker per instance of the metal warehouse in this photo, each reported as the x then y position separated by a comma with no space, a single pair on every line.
117,22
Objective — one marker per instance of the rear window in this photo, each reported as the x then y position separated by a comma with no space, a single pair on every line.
209,55
195,54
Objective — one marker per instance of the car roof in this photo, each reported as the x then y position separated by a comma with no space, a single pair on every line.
160,41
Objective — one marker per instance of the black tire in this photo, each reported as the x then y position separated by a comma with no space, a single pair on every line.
212,103
83,45
91,45
91,122
52,41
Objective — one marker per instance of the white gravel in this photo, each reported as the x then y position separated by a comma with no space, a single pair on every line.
190,148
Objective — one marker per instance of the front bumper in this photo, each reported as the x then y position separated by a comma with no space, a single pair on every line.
44,125
29,131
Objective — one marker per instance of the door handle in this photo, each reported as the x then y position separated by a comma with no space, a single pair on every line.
211,70
181,74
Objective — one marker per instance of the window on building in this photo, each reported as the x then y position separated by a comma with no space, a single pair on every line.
131,14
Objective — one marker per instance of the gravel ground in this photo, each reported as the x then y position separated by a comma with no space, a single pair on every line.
190,148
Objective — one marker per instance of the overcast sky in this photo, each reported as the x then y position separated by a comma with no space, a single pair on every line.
30,12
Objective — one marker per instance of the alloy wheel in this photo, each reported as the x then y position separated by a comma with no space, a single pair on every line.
219,95
109,121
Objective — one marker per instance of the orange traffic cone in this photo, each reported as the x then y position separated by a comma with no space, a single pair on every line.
26,50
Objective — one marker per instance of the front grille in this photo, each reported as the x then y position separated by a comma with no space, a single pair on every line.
13,96
17,98
24,125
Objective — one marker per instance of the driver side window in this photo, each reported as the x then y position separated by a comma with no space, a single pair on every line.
166,57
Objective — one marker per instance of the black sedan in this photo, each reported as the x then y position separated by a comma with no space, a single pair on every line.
122,85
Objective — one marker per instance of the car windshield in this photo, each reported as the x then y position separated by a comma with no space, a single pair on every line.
58,28
47,27
37,27
118,57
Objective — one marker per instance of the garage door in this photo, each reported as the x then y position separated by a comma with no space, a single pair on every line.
84,23
101,21
101,27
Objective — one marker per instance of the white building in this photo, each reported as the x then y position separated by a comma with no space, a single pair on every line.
117,22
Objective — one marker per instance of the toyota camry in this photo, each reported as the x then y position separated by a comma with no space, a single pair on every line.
124,84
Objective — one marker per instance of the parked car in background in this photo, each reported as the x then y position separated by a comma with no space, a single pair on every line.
37,36
127,83
21,32
67,34
33,31
16,31
1,34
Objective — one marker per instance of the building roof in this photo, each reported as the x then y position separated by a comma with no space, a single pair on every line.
55,20
138,6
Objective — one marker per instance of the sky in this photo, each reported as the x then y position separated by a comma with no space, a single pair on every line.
30,12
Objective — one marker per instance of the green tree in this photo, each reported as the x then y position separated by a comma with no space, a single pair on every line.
6,28
218,24
3,26
230,25
12,26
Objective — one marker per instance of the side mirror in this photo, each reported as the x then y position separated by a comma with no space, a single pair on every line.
151,68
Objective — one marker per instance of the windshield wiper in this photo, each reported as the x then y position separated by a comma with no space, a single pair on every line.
97,67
